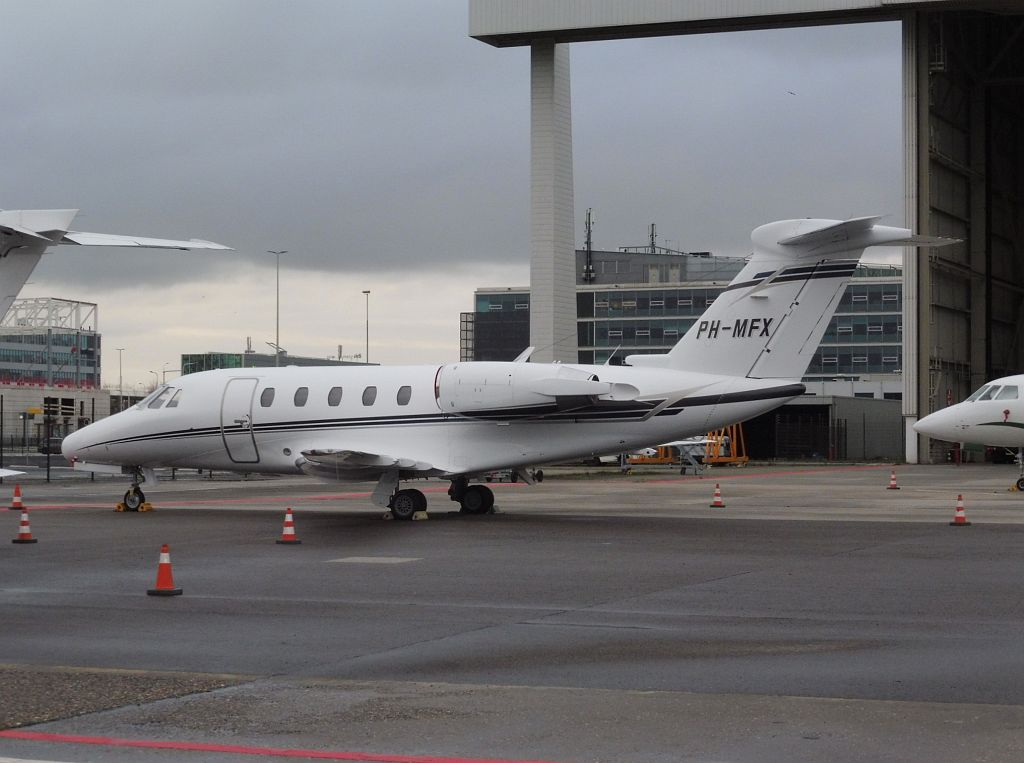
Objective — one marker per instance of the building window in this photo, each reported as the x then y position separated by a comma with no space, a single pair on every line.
267,398
334,397
301,396
404,394
369,395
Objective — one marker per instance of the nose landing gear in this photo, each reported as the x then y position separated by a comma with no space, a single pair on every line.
134,498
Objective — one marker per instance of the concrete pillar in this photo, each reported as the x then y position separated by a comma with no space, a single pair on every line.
917,275
552,236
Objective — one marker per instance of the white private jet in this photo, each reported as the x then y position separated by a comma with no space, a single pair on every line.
993,415
26,233
460,421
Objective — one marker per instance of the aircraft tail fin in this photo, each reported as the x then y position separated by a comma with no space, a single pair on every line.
769,321
26,233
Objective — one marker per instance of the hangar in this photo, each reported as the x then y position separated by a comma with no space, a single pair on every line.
963,138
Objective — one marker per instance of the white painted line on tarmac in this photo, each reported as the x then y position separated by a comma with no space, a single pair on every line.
376,559
26,760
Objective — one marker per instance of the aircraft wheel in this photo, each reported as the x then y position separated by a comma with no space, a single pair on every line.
133,499
539,475
478,499
1020,484
407,502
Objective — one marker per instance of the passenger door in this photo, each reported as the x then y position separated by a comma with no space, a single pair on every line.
236,421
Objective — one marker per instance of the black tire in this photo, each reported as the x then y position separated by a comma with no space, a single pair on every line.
538,475
1020,484
478,499
133,499
406,503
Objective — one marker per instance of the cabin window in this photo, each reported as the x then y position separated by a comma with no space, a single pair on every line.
369,395
175,399
334,396
160,399
267,398
1009,392
301,396
404,395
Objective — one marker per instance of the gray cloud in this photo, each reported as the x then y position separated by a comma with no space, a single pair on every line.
366,136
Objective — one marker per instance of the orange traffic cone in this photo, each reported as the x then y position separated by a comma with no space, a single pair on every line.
717,502
16,504
24,531
892,481
164,576
960,518
288,536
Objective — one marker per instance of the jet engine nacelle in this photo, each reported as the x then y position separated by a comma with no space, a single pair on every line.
481,388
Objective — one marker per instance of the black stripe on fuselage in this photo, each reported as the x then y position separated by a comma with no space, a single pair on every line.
625,411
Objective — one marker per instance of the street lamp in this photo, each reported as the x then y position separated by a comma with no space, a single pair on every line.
367,293
277,310
156,379
120,380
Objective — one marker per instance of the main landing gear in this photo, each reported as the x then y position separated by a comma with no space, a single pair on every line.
473,499
1020,463
405,503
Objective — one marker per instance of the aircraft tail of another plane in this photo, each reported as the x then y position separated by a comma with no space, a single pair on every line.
26,233
769,321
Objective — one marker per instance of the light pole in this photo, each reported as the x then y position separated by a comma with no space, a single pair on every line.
366,359
156,379
120,380
277,310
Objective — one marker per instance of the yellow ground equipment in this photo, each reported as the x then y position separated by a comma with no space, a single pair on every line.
726,446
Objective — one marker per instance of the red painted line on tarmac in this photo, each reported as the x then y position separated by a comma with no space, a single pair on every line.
244,502
717,477
279,752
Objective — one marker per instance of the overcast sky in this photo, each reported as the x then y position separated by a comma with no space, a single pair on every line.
387,150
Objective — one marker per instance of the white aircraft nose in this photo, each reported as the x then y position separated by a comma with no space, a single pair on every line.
71,446
940,425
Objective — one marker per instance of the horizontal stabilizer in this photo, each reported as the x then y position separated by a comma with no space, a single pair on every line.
81,238
831,234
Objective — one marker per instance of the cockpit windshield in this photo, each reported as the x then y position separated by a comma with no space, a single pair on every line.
995,392
159,397
978,393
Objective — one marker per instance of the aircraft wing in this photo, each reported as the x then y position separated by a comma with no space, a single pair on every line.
81,238
341,464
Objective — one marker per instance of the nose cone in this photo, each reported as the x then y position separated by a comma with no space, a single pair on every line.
940,425
71,447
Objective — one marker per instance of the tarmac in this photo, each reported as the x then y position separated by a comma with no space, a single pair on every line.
595,617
